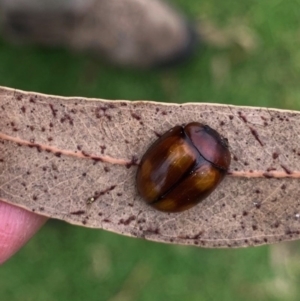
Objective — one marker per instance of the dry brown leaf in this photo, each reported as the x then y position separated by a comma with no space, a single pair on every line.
75,159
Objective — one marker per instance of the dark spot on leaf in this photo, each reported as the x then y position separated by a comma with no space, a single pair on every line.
54,166
103,148
256,136
135,116
67,117
198,235
286,169
127,221
258,205
268,175
37,146
100,193
133,161
242,117
84,153
79,212
289,232
54,111
152,231
96,159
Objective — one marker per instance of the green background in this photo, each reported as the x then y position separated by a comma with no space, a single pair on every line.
258,65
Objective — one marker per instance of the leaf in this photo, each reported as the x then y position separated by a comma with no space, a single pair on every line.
75,159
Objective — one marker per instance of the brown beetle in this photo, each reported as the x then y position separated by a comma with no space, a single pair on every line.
183,167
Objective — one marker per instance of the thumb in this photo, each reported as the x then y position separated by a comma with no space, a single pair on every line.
17,226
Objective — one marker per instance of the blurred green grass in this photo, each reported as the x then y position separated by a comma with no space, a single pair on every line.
64,262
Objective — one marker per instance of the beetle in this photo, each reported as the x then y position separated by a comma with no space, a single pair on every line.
183,167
